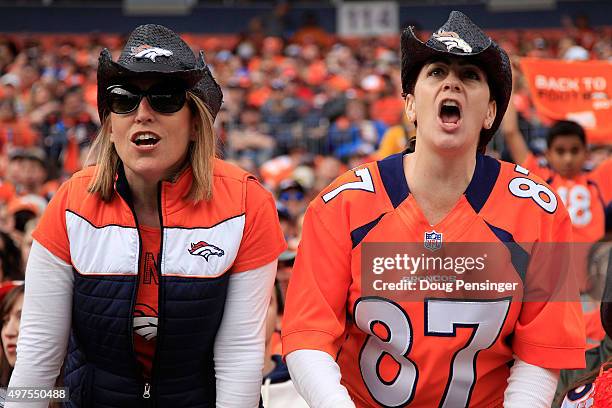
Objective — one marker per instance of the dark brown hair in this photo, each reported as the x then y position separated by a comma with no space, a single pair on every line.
5,308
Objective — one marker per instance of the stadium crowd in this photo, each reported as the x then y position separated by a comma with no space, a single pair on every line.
300,107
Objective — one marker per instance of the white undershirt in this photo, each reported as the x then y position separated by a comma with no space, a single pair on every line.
316,376
46,320
530,386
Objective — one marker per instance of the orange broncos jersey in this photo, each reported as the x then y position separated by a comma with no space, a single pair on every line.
582,198
438,352
602,175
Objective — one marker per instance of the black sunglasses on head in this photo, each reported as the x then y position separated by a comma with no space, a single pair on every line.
122,99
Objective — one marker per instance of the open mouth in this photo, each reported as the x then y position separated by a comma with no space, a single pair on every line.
450,111
145,139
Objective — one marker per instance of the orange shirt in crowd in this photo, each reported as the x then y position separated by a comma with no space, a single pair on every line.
17,133
7,191
388,110
306,35
256,63
602,175
259,96
581,196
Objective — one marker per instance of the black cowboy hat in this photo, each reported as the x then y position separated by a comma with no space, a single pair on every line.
459,36
154,50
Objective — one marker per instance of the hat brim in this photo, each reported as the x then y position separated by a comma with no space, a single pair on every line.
492,60
111,73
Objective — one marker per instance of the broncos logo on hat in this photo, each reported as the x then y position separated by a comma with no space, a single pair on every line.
452,40
146,51
205,250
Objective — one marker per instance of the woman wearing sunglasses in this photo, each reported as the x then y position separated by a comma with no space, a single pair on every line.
151,272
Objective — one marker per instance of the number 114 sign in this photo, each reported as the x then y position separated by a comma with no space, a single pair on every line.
362,19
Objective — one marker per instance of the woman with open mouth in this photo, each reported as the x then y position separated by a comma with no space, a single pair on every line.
151,272
356,336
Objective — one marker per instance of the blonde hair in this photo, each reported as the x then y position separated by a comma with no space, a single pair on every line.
202,152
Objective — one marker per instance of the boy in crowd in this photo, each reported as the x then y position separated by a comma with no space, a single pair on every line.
563,170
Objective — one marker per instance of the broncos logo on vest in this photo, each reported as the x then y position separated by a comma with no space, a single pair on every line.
452,40
205,250
146,51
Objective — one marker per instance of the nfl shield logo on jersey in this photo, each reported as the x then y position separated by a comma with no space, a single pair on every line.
433,241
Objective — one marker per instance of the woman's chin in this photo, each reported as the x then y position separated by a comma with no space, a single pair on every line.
145,170
448,144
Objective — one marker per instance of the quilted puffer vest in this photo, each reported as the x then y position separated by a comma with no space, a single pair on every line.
101,369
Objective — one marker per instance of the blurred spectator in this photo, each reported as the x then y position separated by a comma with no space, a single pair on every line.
397,138
26,242
270,59
603,48
287,221
10,86
234,97
249,138
255,34
387,106
10,259
41,103
310,31
354,133
277,169
281,112
314,128
8,52
569,50
23,210
27,171
293,196
327,169
285,266
66,132
597,267
580,29
597,155
334,91
14,130
278,23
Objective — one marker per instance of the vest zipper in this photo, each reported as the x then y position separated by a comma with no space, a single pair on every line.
146,385
125,194
147,391
159,280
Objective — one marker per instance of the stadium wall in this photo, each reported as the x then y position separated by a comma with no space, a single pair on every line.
226,20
